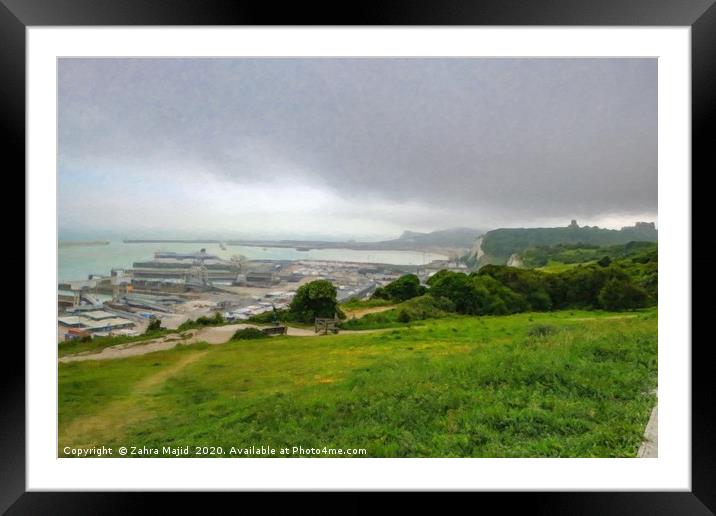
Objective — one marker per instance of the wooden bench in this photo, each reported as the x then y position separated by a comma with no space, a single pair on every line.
275,330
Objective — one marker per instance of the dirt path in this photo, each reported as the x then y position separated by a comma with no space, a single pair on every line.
602,318
221,334
360,312
135,348
210,334
650,447
112,418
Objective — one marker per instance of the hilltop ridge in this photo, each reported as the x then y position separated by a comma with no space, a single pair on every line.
456,237
500,245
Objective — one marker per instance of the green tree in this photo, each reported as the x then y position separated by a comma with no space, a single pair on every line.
458,288
404,288
154,325
403,316
380,293
605,262
530,284
314,299
622,294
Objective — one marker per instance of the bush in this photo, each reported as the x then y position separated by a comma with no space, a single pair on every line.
268,317
380,294
426,307
541,330
620,294
416,309
403,316
476,294
406,287
216,320
531,285
357,304
249,334
604,261
154,325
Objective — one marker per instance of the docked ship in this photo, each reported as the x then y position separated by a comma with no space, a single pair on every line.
188,269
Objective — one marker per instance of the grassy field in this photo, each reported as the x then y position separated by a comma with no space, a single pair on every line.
358,304
557,267
563,384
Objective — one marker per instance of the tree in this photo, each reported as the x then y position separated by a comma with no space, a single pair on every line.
530,284
315,299
621,294
456,287
406,287
403,316
154,325
380,293
605,262
583,284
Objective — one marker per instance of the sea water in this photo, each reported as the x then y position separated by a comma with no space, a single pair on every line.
77,262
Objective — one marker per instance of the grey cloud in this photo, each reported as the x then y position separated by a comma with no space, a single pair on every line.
519,138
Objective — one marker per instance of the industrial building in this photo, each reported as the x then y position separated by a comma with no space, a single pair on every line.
191,268
95,323
259,278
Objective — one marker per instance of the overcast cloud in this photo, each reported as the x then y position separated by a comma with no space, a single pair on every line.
360,148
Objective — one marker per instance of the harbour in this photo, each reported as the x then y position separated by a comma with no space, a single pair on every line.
119,288
77,262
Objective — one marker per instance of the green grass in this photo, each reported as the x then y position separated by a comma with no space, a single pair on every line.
557,267
455,387
357,304
412,311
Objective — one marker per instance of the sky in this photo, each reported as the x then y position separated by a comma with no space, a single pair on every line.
353,148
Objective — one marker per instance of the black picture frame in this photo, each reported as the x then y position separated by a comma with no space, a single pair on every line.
700,15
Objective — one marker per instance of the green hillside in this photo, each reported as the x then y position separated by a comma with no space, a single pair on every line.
572,254
499,244
458,237
560,384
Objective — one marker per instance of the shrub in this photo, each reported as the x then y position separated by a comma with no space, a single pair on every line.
216,320
621,294
269,316
425,307
403,316
380,294
249,334
154,325
541,330
530,285
404,288
476,294
416,309
604,262
357,304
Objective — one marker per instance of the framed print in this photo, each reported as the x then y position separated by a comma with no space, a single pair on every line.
419,253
